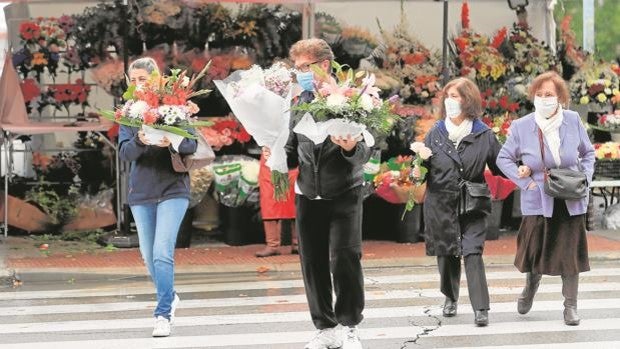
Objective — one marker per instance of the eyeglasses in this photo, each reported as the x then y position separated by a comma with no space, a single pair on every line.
304,68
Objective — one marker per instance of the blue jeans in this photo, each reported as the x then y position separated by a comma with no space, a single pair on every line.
158,225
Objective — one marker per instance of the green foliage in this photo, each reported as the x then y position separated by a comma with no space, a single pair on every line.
59,209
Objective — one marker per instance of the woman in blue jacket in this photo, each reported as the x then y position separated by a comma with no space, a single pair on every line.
158,197
552,236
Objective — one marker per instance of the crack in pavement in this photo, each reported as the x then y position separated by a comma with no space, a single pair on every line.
426,330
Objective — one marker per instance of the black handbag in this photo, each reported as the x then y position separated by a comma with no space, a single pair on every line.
474,197
563,183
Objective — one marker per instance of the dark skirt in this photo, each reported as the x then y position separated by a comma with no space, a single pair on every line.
553,246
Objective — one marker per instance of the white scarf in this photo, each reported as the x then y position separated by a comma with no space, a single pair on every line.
456,133
551,130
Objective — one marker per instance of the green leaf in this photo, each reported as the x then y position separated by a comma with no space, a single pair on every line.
129,93
175,130
107,114
201,123
318,71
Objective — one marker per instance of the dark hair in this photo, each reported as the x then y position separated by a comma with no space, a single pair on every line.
471,101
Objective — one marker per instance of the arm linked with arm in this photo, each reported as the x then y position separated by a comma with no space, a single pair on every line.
586,152
508,157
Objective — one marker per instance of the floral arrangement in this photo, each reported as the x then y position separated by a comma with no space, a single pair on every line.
595,83
67,94
37,60
200,181
607,151
570,54
357,41
477,56
261,99
410,62
225,132
162,103
110,76
610,122
352,97
44,32
395,182
500,125
327,27
528,56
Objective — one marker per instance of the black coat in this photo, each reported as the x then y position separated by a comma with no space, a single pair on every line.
325,169
447,234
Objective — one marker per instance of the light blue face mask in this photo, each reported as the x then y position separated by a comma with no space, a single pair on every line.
306,80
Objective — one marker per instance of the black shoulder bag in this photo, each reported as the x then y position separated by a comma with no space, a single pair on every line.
562,183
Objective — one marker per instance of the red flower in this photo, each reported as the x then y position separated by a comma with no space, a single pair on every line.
149,117
243,136
414,58
499,37
503,102
30,90
493,104
113,132
29,30
465,15
461,43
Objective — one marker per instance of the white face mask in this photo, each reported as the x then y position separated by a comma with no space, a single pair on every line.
453,108
546,106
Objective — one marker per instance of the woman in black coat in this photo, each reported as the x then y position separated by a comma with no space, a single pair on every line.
462,147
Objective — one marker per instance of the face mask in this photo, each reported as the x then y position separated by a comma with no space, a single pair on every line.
546,106
453,108
306,80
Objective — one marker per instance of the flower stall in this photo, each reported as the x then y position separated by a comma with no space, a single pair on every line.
66,64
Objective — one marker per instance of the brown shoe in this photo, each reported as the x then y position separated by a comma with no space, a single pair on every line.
268,252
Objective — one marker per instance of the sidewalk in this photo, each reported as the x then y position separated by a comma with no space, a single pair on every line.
219,258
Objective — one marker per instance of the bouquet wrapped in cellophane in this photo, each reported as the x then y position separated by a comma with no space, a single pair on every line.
261,100
346,105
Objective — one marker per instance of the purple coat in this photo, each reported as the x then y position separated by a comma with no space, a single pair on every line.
522,144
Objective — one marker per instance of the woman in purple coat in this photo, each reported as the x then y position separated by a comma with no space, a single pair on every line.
552,236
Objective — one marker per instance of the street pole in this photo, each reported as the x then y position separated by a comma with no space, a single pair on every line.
444,55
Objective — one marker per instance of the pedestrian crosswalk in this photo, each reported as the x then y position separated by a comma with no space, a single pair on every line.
403,311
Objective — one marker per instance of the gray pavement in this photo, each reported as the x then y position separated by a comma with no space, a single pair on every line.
268,310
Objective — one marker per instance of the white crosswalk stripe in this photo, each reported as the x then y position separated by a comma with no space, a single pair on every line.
403,308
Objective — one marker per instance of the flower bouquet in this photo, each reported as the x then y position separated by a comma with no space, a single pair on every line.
225,132
395,182
607,160
162,107
348,105
500,125
261,99
595,83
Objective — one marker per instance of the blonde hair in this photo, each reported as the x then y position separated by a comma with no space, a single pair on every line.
561,88
145,63
471,101
317,48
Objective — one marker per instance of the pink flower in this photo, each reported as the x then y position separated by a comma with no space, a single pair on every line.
192,107
425,153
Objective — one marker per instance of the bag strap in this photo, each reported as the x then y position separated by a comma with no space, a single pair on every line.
542,152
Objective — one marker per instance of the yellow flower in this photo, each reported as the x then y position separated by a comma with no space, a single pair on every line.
584,100
615,91
601,97
607,83
483,71
38,58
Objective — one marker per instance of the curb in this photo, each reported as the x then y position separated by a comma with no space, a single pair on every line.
62,274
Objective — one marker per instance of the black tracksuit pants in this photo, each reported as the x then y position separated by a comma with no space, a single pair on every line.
330,240
450,279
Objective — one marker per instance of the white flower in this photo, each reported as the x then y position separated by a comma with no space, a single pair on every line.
367,103
336,100
520,89
185,82
137,109
172,113
416,147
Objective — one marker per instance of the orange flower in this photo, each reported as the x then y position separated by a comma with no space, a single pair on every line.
414,58
39,160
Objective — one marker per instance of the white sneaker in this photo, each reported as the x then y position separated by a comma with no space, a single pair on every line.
173,307
325,339
351,338
162,327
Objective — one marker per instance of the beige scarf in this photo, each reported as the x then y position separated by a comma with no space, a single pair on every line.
456,133
550,128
